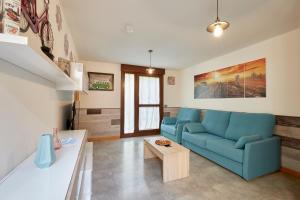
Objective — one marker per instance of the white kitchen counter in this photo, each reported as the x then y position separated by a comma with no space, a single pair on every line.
29,182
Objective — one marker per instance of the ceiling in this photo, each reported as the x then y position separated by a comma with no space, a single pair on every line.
174,29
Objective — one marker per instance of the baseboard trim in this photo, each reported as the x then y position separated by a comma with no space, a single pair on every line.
97,138
290,172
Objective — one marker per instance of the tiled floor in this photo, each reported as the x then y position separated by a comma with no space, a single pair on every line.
121,173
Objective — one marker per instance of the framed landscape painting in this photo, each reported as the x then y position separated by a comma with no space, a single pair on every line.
245,80
231,81
255,78
101,81
223,83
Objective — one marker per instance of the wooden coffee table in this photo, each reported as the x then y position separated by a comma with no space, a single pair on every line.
175,158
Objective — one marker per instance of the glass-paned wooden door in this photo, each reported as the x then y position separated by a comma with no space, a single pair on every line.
149,103
141,101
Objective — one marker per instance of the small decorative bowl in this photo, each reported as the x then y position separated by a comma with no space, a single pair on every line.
163,142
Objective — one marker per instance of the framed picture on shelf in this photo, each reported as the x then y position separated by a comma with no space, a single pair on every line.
101,81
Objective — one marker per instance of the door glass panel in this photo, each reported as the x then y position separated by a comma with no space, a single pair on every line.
148,90
148,118
129,103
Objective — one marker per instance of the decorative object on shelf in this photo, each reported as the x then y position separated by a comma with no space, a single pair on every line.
218,27
58,18
171,80
56,140
78,76
45,155
150,70
66,44
10,16
101,81
38,24
163,142
239,81
64,65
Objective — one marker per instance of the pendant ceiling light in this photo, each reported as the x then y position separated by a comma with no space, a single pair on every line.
150,70
218,27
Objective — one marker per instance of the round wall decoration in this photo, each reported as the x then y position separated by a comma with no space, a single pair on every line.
58,18
71,56
66,45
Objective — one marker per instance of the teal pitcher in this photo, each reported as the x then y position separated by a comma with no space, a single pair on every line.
45,155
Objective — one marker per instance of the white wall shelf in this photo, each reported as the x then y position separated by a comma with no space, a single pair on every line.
15,50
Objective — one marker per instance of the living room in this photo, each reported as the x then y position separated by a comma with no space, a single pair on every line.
150,99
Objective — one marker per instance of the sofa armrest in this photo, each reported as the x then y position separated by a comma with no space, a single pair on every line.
169,120
261,157
194,127
179,127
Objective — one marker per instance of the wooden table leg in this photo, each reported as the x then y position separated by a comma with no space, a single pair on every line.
176,166
147,152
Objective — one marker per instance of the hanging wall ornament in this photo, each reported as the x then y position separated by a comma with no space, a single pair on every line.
66,45
58,18
71,56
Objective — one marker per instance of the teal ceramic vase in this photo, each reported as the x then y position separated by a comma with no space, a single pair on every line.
45,155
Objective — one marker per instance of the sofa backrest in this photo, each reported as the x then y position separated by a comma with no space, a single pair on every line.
190,114
244,124
216,122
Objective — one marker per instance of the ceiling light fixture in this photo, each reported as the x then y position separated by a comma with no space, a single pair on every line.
150,70
218,27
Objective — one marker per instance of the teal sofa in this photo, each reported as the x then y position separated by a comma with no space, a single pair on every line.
241,142
171,127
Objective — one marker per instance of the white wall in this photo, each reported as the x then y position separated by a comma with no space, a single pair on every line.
112,99
282,55
29,104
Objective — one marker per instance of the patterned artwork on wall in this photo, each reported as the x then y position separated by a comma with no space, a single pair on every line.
58,18
66,45
239,81
71,56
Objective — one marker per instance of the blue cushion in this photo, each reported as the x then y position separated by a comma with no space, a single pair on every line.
244,124
190,114
226,148
169,120
168,128
216,122
246,139
194,127
199,139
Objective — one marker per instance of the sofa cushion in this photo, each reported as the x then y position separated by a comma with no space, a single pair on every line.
169,120
195,127
216,122
240,144
188,114
244,124
199,139
168,128
226,148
